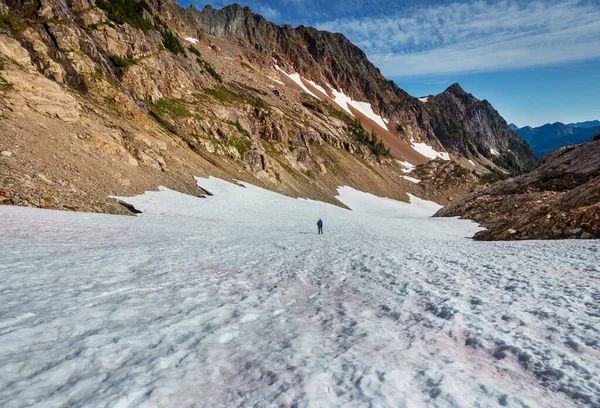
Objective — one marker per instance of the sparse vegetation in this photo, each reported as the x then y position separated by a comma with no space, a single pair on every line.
291,145
223,94
240,128
46,21
460,171
98,73
194,51
371,141
509,158
288,168
171,42
338,113
246,65
122,61
209,69
12,23
399,128
4,84
241,144
172,107
127,11
259,103
493,176
92,27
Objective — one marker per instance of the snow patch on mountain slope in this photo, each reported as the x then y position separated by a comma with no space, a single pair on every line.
339,97
429,151
494,152
317,86
424,99
407,166
344,101
412,179
192,40
296,78
233,300
367,110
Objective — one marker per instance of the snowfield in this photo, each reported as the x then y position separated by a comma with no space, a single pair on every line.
429,151
234,300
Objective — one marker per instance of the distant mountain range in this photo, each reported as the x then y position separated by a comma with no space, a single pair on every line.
549,137
588,124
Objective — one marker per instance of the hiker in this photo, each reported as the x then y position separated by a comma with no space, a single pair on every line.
320,226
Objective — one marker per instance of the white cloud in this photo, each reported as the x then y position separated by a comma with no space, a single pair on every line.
268,13
477,36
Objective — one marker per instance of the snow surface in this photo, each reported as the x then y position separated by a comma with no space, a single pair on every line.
341,99
192,40
429,151
344,101
424,99
494,152
367,110
408,167
234,300
317,86
296,78
412,179
472,164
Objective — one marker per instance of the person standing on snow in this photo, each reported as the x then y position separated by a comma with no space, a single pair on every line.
320,226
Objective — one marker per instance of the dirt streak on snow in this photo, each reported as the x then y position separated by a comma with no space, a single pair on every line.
234,300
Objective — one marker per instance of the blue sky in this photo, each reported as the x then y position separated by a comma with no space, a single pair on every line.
535,61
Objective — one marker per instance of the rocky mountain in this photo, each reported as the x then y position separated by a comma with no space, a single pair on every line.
113,97
473,128
560,198
513,127
549,137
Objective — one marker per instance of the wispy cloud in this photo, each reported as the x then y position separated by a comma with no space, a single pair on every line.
268,13
477,36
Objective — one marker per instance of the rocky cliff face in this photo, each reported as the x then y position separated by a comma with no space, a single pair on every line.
453,120
560,198
115,97
470,127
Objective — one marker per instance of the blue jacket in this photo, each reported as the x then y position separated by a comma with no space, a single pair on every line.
319,223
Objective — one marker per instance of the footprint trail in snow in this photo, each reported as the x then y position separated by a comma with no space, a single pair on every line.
234,300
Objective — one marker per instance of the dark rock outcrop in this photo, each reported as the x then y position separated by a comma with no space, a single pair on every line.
560,198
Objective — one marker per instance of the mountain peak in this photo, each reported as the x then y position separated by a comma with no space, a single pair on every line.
455,88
